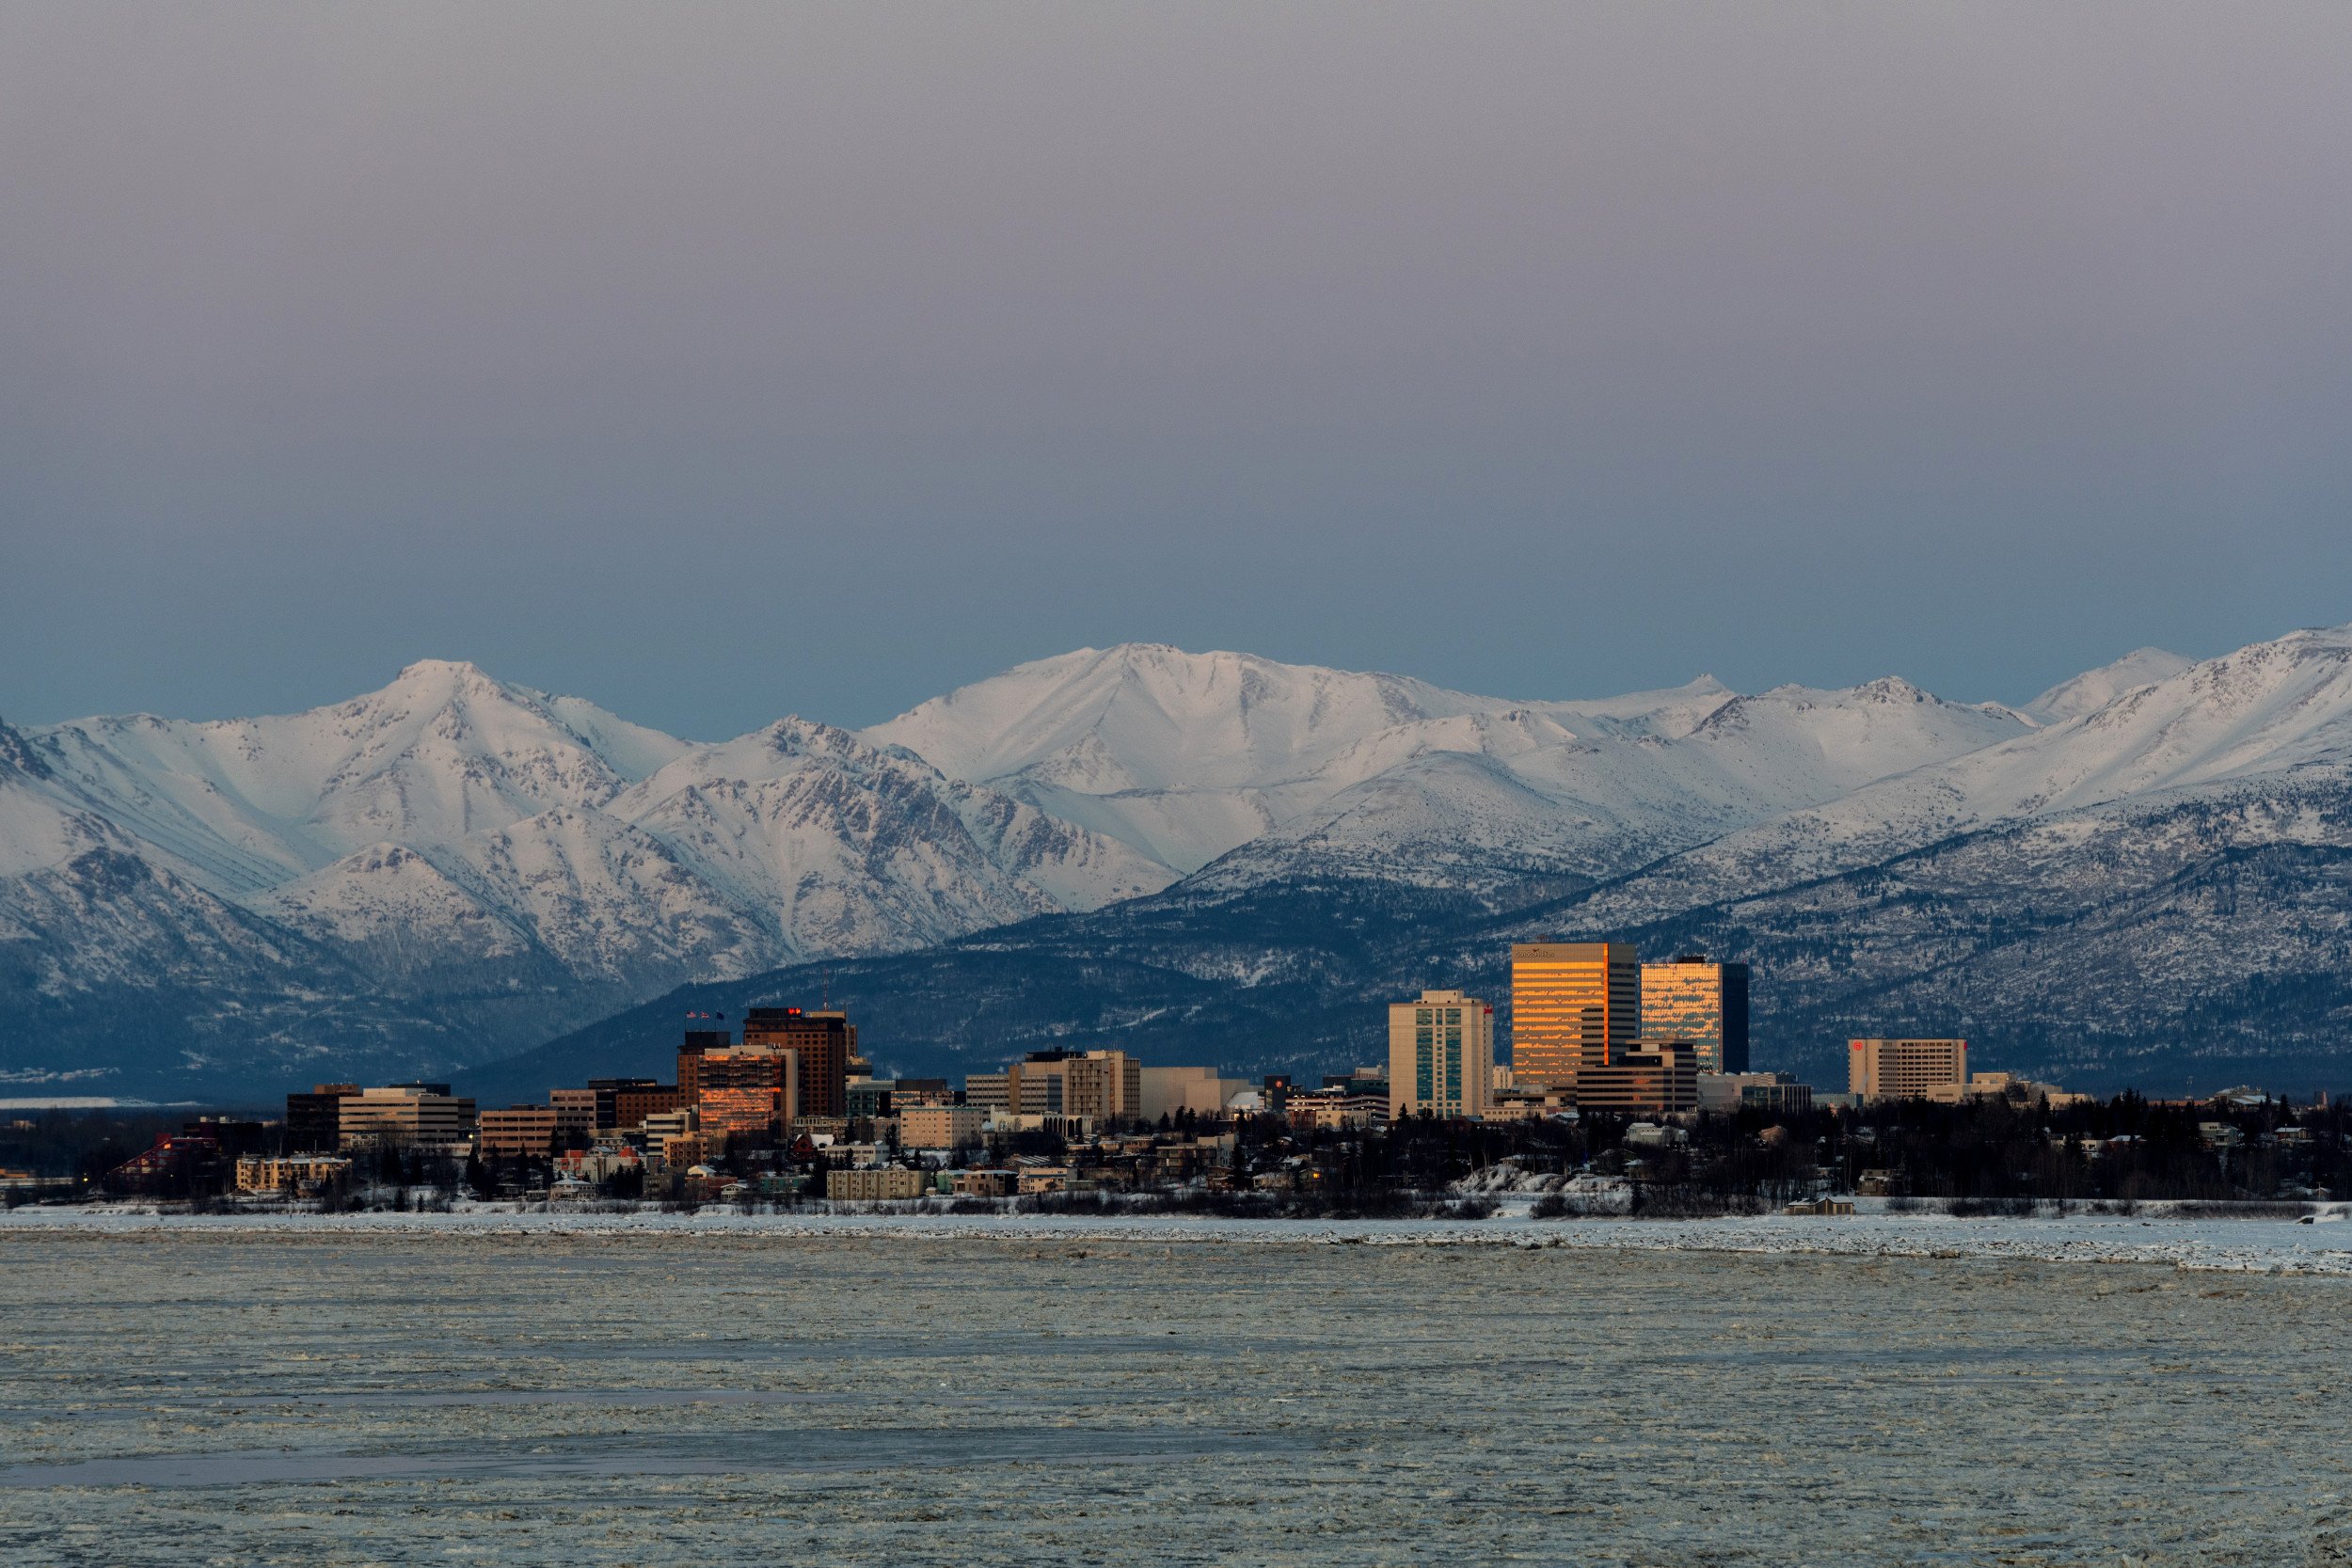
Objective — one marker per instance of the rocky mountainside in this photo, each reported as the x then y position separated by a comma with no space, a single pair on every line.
2145,876
1209,856
453,866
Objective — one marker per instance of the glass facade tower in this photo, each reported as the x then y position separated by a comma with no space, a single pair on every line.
1706,1003
1572,1003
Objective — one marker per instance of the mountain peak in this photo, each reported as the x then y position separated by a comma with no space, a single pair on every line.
2096,688
1893,688
446,674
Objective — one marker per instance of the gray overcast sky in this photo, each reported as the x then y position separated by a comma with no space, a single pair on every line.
719,361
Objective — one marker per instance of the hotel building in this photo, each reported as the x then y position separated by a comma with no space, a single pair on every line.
823,1041
750,1090
1441,1055
1572,1004
1706,1003
1907,1069
690,1059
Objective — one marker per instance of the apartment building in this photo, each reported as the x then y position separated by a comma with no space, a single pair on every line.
874,1183
290,1173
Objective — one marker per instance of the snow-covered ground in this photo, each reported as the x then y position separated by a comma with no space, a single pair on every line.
2242,1245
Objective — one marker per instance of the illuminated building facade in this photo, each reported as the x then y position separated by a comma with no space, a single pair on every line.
750,1090
823,1041
1572,1004
1704,1003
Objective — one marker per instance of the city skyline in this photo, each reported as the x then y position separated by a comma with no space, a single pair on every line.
881,780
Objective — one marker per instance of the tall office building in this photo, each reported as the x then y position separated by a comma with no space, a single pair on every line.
751,1091
1704,1003
690,1058
1441,1055
1907,1069
314,1121
1571,1003
824,1042
609,1093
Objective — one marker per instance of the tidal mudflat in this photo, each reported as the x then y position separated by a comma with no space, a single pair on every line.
464,1395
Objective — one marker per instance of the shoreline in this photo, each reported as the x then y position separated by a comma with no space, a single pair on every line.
2202,1245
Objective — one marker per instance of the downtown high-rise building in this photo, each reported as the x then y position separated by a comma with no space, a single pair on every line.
1704,1003
754,1091
698,1043
824,1041
1441,1055
1572,1003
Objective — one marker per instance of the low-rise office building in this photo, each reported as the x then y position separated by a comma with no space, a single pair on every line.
1651,1078
517,1132
1166,1091
404,1116
314,1120
941,1126
575,1116
1725,1092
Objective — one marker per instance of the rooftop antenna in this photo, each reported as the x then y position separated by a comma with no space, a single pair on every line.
826,1005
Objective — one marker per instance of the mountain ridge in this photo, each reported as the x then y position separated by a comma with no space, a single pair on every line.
427,876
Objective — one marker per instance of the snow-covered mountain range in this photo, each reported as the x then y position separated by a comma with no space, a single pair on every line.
454,864
453,868
1191,758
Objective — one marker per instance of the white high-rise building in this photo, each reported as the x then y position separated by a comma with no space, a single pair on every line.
1441,1055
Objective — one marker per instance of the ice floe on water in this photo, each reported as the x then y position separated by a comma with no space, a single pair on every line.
2321,1244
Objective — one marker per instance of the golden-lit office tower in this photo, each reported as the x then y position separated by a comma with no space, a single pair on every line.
1907,1069
825,1041
751,1091
1704,1003
1571,1003
1441,1055
689,1057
